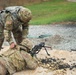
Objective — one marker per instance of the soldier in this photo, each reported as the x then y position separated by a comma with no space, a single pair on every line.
17,59
14,20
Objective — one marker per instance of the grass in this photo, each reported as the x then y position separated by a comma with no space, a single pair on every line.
52,11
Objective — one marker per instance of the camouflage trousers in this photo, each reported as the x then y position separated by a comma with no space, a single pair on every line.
15,60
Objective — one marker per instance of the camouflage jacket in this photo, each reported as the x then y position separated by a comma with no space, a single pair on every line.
11,22
16,60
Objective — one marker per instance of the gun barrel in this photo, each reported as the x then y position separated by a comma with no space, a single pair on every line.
48,47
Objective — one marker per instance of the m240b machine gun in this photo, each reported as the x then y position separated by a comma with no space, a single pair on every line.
36,49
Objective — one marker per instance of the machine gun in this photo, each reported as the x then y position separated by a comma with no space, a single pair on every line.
36,49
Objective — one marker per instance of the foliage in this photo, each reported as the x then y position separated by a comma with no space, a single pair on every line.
53,11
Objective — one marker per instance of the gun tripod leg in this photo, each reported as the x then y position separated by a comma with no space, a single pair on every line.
47,52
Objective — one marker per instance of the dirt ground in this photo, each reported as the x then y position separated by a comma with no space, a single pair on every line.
61,62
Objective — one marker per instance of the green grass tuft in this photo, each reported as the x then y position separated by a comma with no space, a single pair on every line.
53,11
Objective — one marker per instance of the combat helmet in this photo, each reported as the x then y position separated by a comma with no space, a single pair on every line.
25,14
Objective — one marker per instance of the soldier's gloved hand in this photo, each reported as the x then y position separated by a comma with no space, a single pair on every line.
12,45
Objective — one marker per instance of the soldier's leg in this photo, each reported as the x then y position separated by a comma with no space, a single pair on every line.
17,35
3,70
1,36
31,63
6,66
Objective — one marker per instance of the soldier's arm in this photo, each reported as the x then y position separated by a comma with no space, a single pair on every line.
8,28
25,28
30,61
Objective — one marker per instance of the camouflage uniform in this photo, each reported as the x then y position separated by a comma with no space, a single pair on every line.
2,20
14,19
18,59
